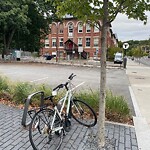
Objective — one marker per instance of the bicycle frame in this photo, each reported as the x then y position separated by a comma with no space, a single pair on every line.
67,98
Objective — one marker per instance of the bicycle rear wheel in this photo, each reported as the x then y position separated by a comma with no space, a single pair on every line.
40,134
83,113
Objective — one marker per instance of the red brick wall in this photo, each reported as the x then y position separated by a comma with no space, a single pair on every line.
75,37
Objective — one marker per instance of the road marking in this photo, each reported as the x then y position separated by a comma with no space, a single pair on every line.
10,73
39,79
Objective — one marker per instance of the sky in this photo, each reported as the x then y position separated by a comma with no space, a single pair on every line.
130,29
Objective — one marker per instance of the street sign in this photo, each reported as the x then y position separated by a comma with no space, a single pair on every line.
125,45
80,49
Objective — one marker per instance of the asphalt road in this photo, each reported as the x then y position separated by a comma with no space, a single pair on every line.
143,60
53,75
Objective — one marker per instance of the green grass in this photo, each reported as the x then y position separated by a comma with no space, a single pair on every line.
117,104
4,84
90,96
21,90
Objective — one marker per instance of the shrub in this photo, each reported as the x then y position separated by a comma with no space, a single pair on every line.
45,88
21,91
37,98
116,107
91,97
5,88
3,84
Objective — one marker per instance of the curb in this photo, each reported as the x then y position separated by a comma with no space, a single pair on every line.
141,126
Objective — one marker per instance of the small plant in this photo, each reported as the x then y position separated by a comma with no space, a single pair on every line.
90,96
3,84
21,92
36,99
116,107
45,88
5,88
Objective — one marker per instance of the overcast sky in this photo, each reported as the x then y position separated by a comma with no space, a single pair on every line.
130,29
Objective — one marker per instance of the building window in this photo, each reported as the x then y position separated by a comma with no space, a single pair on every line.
87,42
80,28
61,31
88,28
70,28
61,42
96,40
46,43
80,42
61,28
96,28
53,42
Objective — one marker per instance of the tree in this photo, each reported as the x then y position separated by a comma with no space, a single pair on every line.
111,52
24,23
13,16
91,11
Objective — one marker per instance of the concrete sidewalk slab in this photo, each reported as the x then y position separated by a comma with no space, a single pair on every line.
139,77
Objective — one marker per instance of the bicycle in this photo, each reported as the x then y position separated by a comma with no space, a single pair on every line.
50,124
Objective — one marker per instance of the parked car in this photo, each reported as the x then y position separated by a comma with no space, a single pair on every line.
118,59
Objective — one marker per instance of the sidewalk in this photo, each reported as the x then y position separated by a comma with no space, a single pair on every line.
139,78
14,137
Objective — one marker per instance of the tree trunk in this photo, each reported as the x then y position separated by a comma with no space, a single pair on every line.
7,41
101,118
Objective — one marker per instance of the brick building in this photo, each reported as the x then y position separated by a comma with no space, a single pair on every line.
72,39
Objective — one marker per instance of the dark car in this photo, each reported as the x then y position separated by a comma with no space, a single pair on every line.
49,57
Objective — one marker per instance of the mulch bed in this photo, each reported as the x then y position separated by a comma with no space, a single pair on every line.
109,116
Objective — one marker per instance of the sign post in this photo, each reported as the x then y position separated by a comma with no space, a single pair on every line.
80,50
125,47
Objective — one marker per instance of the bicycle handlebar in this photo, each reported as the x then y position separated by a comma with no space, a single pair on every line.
58,87
71,76
62,85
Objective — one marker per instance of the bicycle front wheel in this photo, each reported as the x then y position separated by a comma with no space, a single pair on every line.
40,134
83,113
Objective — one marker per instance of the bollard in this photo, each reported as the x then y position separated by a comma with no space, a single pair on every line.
124,62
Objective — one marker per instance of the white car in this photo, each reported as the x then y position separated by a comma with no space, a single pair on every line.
118,58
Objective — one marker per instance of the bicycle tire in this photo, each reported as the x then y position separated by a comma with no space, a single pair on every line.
83,113
40,135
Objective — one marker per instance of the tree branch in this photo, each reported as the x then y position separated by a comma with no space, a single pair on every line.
117,11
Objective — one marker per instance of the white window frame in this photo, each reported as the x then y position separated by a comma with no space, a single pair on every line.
80,28
80,42
46,43
96,42
61,42
96,29
89,41
70,28
53,42
88,28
